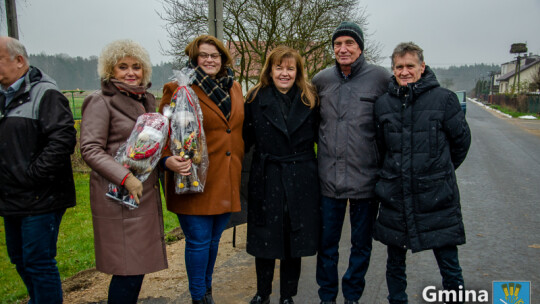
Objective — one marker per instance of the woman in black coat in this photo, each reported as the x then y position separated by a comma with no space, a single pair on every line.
281,123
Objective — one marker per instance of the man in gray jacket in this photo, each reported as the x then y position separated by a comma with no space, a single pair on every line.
348,158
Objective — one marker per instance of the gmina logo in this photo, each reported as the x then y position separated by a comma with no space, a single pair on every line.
512,292
430,294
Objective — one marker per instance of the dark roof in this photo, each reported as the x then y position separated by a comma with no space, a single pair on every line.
509,75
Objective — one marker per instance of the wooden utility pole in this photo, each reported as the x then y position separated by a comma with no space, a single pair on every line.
11,14
215,18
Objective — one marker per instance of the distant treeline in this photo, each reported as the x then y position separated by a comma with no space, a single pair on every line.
81,73
464,77
73,73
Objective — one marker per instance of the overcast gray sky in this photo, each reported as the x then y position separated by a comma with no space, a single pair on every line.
452,32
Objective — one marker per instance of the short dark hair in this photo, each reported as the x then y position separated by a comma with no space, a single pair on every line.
408,47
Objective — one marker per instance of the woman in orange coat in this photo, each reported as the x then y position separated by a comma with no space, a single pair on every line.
204,216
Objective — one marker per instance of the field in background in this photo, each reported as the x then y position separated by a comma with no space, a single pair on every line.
76,100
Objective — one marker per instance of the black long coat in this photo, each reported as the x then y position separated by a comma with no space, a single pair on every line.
283,189
424,137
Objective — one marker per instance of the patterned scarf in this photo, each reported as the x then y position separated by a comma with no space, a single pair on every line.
217,89
133,91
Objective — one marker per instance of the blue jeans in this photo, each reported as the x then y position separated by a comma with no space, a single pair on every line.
31,245
203,233
362,217
396,279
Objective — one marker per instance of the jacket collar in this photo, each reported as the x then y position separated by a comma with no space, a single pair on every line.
271,110
203,98
127,105
355,67
31,78
427,81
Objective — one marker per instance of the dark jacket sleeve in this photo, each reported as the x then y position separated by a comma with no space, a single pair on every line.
317,113
59,136
379,139
456,129
248,129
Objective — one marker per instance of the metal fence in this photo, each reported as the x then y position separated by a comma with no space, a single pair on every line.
526,103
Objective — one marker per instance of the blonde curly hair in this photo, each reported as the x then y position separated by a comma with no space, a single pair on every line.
116,51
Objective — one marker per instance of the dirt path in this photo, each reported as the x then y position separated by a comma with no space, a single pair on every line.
234,278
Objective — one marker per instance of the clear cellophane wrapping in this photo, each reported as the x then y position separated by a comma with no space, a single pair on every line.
187,137
140,153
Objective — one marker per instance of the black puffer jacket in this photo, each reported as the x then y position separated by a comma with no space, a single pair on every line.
37,138
423,137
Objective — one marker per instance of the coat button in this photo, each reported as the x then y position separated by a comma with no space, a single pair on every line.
228,153
228,130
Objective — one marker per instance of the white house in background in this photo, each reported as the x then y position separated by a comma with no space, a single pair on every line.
529,67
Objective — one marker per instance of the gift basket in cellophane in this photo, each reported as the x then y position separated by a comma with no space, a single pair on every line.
187,137
140,153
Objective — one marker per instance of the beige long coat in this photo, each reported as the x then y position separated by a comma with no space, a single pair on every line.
127,242
225,152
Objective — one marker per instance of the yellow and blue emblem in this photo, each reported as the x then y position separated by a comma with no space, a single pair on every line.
509,292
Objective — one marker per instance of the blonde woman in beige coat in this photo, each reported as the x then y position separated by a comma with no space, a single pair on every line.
128,243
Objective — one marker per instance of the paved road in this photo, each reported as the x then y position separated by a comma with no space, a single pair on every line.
500,189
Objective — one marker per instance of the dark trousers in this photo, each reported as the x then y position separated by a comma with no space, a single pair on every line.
289,274
125,289
362,217
396,279
31,245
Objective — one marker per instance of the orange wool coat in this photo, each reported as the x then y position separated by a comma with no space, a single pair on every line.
225,152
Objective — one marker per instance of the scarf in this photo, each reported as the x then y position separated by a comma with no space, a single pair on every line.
133,91
216,89
286,100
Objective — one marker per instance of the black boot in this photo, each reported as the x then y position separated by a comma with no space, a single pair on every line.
257,299
208,296
286,301
202,301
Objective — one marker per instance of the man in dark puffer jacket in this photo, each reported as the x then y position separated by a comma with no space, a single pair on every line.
423,137
37,138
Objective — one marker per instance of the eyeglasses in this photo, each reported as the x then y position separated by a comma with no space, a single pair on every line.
214,56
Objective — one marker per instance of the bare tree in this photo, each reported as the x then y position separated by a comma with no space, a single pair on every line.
254,27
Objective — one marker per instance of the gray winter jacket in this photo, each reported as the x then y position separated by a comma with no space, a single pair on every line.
347,152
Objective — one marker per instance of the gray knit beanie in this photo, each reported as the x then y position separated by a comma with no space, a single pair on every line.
351,29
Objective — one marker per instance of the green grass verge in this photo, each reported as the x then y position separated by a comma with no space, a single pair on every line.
513,113
76,102
75,243
75,105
